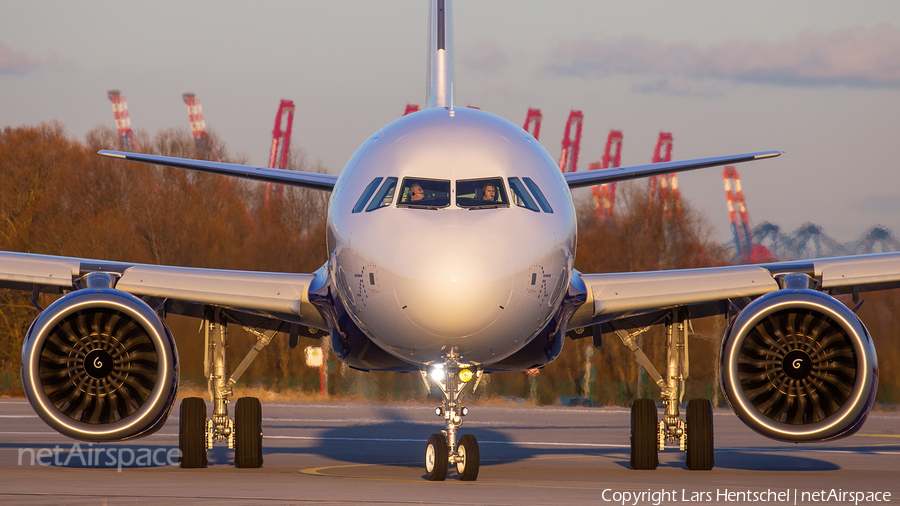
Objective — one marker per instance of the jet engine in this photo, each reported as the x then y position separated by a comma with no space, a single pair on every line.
798,365
100,365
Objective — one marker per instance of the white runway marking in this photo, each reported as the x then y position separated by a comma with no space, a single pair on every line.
399,440
585,445
511,424
33,433
419,408
58,434
808,450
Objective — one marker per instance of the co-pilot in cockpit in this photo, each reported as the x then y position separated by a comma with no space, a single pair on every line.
481,193
490,193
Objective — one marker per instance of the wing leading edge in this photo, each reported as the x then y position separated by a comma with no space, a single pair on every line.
616,174
312,180
282,296
620,295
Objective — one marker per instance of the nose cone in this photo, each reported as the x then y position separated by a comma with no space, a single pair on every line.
453,286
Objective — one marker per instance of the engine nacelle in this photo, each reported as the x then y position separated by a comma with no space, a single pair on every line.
797,365
100,365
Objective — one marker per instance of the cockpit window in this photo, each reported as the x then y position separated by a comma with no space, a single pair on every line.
520,196
481,193
385,195
545,206
424,193
361,203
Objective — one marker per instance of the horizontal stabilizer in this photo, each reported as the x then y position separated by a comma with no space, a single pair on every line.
616,174
312,180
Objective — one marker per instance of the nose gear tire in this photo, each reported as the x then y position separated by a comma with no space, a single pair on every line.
468,460
437,458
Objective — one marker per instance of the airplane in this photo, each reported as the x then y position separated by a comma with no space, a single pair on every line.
412,284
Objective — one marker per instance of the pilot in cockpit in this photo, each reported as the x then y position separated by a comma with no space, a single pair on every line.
490,193
416,192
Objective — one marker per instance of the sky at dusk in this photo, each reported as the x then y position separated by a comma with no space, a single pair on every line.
819,80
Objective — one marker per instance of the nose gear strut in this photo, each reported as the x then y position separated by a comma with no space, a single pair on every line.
452,376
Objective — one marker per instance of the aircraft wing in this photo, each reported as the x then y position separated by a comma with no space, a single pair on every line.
312,180
616,174
709,291
183,290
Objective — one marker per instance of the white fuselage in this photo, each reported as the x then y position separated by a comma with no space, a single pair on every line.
419,281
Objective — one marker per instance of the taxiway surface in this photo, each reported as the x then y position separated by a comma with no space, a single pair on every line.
352,453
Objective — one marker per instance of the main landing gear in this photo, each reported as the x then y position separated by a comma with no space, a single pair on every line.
243,433
694,433
445,449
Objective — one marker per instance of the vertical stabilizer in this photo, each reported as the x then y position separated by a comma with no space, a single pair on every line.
440,55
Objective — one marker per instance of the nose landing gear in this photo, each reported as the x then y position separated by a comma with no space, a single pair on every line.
445,448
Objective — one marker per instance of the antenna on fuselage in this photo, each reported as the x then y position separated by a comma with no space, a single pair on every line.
440,55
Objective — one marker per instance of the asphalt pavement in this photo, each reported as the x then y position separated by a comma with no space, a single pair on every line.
359,453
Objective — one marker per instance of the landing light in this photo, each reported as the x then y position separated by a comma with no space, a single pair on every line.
466,375
437,372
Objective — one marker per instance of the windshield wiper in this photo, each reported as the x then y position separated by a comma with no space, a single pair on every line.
415,206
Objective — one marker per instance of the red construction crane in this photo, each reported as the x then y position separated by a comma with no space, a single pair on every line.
198,126
740,221
662,153
534,118
737,211
605,194
281,144
665,187
123,121
568,158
